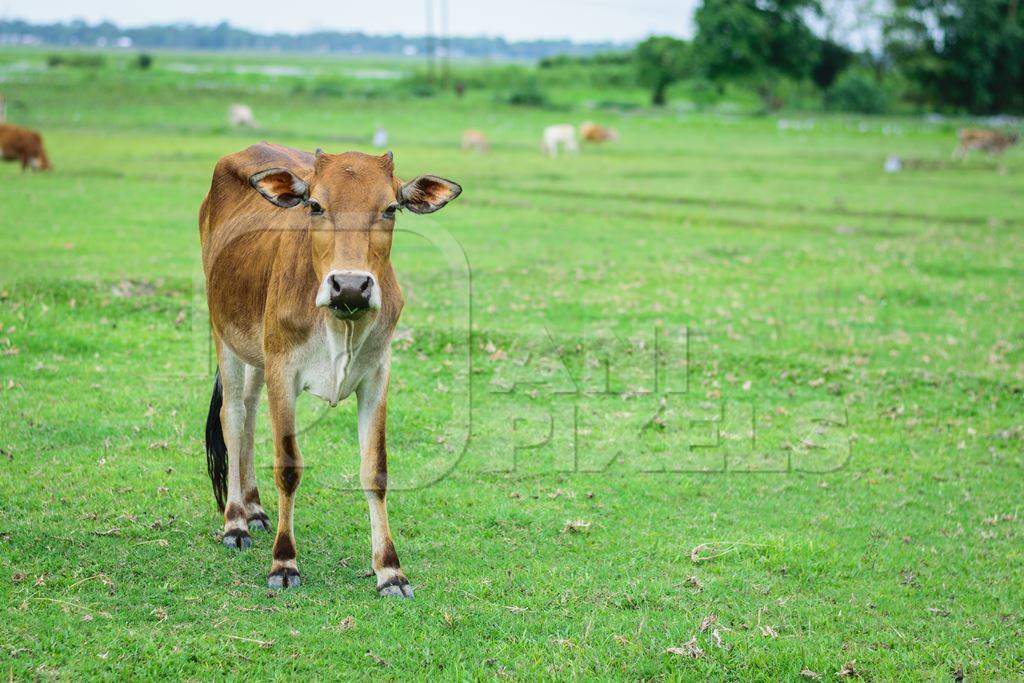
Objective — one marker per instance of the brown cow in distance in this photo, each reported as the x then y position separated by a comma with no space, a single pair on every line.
24,145
475,140
992,141
303,297
595,132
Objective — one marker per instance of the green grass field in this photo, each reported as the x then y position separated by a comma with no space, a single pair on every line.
721,367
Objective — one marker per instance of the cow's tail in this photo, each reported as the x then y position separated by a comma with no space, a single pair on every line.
216,449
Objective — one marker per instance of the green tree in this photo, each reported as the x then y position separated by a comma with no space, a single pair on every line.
832,60
660,62
755,40
966,54
856,90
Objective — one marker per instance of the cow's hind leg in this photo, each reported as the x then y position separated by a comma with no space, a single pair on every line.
287,474
255,515
232,415
373,476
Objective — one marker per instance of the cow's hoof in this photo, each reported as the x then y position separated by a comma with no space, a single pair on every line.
284,578
395,587
237,539
259,522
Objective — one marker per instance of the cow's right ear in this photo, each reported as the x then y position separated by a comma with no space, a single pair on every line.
280,187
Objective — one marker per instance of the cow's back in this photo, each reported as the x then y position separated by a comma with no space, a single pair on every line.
560,132
974,137
992,141
17,141
590,131
230,192
593,132
233,208
243,235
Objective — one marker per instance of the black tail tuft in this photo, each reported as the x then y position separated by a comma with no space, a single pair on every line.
216,449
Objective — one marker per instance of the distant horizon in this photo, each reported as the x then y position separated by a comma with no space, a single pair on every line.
300,33
225,37
578,21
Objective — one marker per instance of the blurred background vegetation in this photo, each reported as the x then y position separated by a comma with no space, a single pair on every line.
864,56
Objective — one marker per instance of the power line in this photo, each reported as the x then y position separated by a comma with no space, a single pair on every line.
445,44
430,40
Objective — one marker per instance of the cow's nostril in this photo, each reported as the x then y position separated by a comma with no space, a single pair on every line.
350,294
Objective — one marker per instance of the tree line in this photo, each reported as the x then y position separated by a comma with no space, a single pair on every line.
940,55
959,55
223,36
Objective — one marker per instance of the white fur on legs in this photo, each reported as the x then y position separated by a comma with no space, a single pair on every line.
232,380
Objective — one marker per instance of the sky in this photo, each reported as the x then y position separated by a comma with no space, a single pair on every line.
579,20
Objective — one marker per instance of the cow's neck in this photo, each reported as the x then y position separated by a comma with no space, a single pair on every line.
341,346
338,354
335,368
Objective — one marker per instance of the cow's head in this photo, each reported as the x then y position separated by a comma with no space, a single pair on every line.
39,162
352,201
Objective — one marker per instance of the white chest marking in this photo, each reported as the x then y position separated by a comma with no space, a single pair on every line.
325,362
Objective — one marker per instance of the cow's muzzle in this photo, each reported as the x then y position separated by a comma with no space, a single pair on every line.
348,295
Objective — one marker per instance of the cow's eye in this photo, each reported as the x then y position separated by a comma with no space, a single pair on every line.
315,209
389,213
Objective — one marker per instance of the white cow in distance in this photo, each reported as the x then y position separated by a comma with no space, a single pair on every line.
559,135
241,116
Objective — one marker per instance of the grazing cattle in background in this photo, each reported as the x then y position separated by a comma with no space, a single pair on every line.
303,297
474,139
380,137
24,145
893,164
559,135
594,132
992,141
241,116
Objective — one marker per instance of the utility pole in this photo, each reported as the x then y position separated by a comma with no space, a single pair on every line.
430,40
446,45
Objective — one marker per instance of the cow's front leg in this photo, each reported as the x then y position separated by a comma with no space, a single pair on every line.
373,476
255,515
232,419
281,393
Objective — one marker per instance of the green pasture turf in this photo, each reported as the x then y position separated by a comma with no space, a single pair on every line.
719,371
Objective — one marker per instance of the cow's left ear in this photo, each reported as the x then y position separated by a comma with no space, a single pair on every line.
428,193
280,187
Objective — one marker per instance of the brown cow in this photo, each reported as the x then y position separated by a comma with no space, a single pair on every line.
595,132
24,145
302,297
476,140
992,141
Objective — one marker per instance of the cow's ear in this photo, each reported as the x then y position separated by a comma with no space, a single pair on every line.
280,187
428,193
